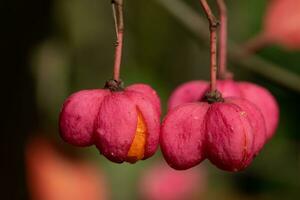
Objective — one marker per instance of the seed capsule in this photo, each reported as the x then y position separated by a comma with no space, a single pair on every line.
159,181
123,124
183,135
234,132
194,91
76,120
147,91
224,132
281,23
265,101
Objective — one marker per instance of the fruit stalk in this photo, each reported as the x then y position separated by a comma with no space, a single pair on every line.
213,25
117,7
223,40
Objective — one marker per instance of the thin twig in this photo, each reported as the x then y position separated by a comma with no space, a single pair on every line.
195,24
117,7
213,25
223,73
257,43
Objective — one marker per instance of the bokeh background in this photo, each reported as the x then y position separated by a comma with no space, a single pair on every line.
52,48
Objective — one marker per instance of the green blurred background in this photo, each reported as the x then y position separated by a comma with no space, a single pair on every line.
52,48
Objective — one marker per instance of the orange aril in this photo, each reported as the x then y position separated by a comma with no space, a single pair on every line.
137,148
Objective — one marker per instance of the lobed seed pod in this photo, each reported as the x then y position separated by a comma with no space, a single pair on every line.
257,122
194,91
235,129
127,127
79,111
183,135
281,23
159,181
228,88
147,91
265,101
123,124
227,133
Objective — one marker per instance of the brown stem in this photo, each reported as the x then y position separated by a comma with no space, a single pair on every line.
117,7
257,43
223,73
213,25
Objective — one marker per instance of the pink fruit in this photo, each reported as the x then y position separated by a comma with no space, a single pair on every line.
196,90
227,133
228,88
147,91
232,138
265,101
257,123
78,114
281,23
123,124
162,182
183,135
188,92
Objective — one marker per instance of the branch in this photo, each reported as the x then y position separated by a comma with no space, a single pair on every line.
213,22
223,73
213,25
117,7
257,43
196,25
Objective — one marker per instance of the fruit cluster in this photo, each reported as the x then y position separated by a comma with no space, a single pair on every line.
225,121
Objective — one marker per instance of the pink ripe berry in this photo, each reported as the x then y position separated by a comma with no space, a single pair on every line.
196,90
123,124
149,92
281,23
258,95
228,133
228,88
188,92
235,133
162,182
182,138
265,101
